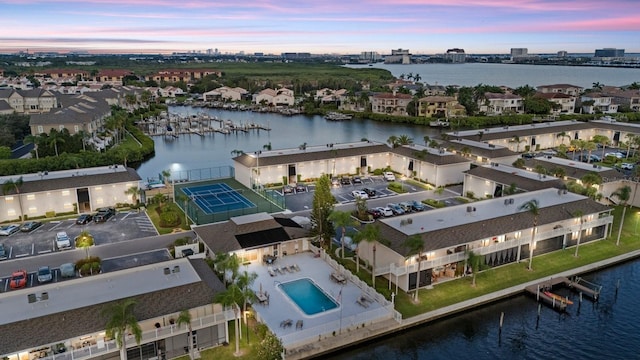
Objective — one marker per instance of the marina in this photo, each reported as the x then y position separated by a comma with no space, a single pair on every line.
200,124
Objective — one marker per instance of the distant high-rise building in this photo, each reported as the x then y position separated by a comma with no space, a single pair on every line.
371,56
455,55
518,52
609,52
562,54
209,52
399,56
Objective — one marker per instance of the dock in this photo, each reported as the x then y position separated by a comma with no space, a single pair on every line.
537,290
200,124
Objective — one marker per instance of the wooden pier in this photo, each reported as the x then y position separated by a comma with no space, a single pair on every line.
538,291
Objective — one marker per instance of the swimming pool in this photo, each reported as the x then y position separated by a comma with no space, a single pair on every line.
308,296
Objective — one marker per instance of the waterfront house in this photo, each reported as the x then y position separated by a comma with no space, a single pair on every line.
65,319
33,101
595,102
66,191
564,104
112,76
390,103
626,98
183,75
170,91
567,89
275,97
440,106
434,90
225,93
497,230
329,96
501,104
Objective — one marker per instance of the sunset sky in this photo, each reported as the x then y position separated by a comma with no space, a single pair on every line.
328,26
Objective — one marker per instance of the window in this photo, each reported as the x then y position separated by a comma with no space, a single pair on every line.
40,129
60,127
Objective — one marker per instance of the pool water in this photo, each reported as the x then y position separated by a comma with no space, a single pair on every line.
308,296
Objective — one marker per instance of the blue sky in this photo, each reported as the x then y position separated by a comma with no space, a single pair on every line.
330,26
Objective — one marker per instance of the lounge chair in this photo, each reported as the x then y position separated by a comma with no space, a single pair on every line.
292,268
271,272
286,323
277,269
299,324
296,267
362,303
284,269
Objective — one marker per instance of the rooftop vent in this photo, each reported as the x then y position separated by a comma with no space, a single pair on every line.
471,209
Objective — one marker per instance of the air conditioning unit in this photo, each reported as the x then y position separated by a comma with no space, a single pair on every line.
469,209
506,201
409,221
511,201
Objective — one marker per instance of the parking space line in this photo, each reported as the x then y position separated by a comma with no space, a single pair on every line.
45,251
33,249
22,255
57,223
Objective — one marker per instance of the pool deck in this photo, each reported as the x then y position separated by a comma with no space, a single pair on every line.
352,313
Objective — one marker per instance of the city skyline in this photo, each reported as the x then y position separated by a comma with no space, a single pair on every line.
422,26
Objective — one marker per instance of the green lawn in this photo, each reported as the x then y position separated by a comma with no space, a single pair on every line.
155,218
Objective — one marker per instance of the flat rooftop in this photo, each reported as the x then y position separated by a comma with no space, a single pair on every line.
439,219
63,174
573,163
520,172
511,128
476,144
311,149
96,289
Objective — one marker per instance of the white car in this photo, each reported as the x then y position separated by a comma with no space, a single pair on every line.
389,176
63,241
386,212
7,230
359,194
617,155
626,166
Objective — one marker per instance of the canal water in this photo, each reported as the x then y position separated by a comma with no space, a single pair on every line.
608,329
191,151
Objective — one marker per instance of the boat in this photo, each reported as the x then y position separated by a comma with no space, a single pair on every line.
336,116
439,124
558,298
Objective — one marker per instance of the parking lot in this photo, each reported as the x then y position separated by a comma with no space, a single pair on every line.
302,200
123,226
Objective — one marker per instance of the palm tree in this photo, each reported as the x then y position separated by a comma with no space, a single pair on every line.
597,86
393,141
578,215
516,140
589,146
602,140
623,194
236,152
533,207
13,186
185,318
227,266
404,140
417,77
184,199
134,191
415,245
231,298
342,219
166,176
630,140
121,320
371,234
577,145
85,241
244,281
473,260
562,135
32,139
55,138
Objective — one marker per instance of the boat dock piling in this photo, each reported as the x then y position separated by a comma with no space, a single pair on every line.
201,124
578,285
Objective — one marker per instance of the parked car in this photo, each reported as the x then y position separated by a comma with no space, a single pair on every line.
397,210
18,279
300,188
63,241
3,252
386,211
104,214
389,176
528,155
375,212
30,226
335,181
370,192
287,189
84,219
406,206
549,152
417,205
7,230
626,166
44,274
345,180
67,270
357,180
616,154
359,194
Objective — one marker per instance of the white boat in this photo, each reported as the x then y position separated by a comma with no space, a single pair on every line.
336,116
439,123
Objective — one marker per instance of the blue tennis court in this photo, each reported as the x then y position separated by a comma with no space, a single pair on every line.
215,198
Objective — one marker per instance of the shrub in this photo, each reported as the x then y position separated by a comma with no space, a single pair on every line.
169,218
50,214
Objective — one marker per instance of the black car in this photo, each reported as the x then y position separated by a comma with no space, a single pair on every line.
345,181
30,226
300,188
370,192
84,219
3,252
104,214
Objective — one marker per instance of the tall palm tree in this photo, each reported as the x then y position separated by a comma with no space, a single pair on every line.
244,281
602,140
121,320
55,138
533,207
473,260
404,140
184,318
393,141
184,199
630,141
516,140
589,146
13,186
85,241
578,215
232,297
134,191
371,234
342,219
32,139
562,135
415,245
623,194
